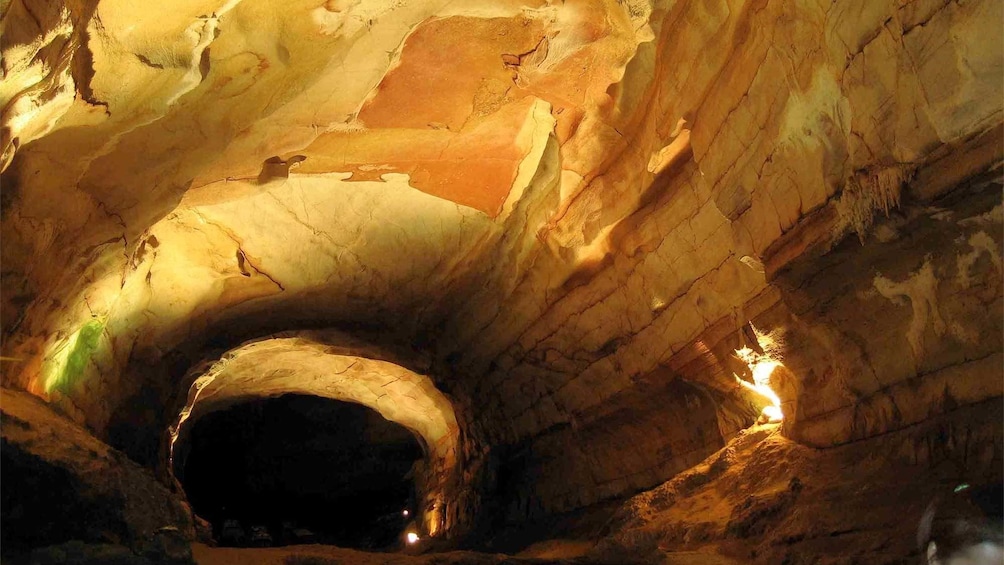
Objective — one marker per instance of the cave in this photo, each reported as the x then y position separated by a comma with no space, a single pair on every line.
602,282
306,469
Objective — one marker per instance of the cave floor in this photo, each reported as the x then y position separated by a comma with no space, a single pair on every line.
330,555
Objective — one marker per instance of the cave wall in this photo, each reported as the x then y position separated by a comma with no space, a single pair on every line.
334,366
765,499
671,426
61,484
575,229
778,136
884,335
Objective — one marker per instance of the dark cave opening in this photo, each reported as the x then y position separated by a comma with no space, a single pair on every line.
301,469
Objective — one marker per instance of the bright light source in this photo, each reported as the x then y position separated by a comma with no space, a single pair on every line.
433,515
405,513
773,413
762,366
412,537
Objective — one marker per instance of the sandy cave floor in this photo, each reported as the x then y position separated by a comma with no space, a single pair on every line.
329,555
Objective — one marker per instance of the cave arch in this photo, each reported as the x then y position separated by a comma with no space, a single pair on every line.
307,363
298,469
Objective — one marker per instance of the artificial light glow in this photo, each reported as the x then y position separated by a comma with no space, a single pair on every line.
433,516
69,358
762,366
412,537
773,413
405,513
19,122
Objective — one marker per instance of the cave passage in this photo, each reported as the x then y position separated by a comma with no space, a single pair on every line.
308,469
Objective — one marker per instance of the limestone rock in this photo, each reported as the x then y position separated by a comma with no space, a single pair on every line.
62,484
766,499
577,212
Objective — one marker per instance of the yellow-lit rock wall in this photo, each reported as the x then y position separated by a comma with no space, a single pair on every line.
572,208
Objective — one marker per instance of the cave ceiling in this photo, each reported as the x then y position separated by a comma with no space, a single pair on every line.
547,201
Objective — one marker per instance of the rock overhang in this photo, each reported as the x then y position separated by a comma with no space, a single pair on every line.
563,204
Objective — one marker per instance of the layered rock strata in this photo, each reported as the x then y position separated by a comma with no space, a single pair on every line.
576,213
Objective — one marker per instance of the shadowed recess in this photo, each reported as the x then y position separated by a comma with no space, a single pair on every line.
305,468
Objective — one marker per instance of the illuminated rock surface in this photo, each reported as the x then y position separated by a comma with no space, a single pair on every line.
551,224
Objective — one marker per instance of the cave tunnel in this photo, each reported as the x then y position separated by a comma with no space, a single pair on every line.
307,469
592,281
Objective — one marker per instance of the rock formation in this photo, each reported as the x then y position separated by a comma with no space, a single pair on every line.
565,244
